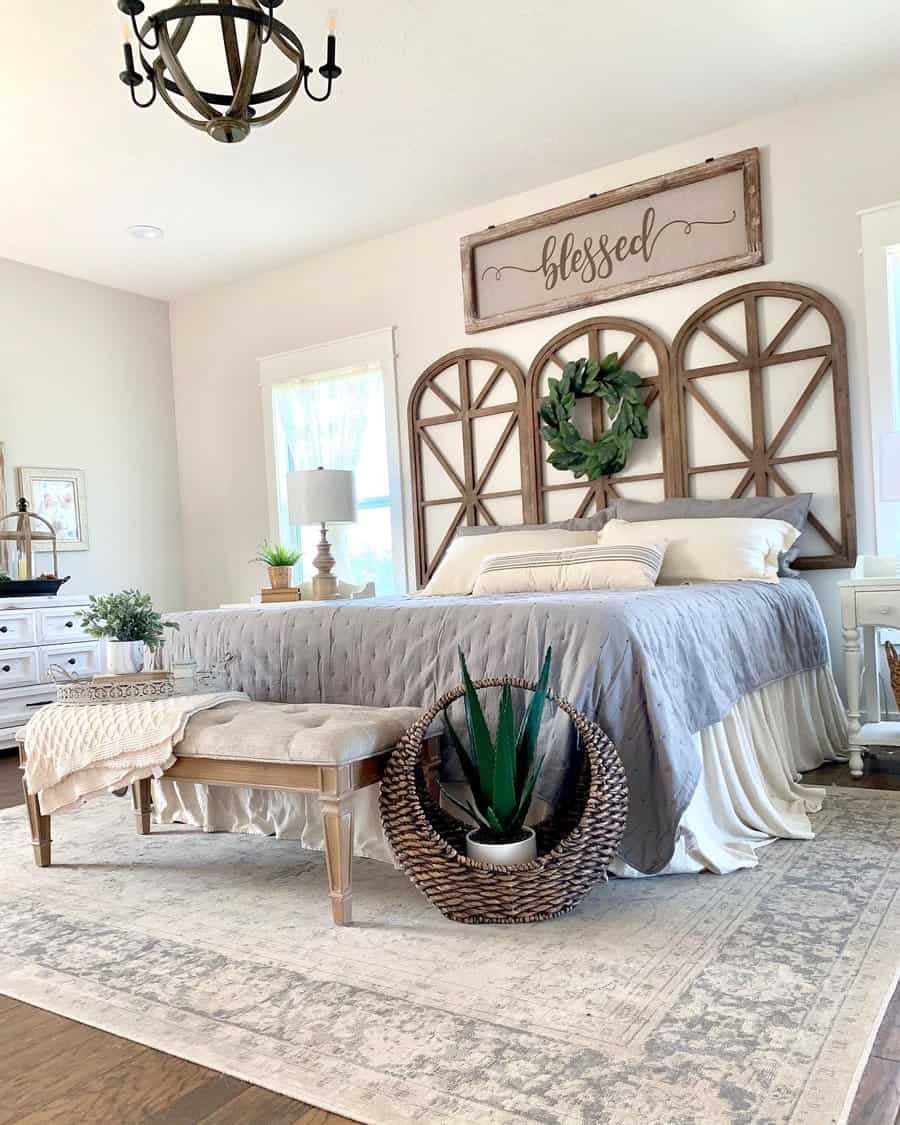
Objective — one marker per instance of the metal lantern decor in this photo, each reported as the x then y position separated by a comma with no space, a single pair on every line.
226,117
24,536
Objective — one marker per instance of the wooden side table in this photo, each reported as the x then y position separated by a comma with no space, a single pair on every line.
866,605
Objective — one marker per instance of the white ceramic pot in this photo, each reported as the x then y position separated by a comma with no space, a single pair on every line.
507,855
124,658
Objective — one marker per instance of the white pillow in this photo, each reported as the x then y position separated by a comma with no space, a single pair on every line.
710,550
573,568
459,567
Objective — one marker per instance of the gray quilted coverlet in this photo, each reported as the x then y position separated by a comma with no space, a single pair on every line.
651,666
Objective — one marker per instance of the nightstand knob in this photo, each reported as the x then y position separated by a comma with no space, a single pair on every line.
72,660
884,610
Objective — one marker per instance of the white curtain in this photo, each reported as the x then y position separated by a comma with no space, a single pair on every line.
337,420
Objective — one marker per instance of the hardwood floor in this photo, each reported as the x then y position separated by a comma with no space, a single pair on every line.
98,1078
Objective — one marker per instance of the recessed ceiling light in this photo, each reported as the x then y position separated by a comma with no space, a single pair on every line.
145,232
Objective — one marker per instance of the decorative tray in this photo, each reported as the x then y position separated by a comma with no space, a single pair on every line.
127,691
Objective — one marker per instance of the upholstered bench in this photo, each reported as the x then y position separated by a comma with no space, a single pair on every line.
326,749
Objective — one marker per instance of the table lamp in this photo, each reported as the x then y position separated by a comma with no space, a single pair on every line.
321,496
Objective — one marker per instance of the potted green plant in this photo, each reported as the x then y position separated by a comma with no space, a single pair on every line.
128,623
281,562
502,772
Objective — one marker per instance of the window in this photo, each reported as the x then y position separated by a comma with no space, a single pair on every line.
320,409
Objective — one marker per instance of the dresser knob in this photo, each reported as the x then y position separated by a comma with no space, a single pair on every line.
3,629
6,668
72,660
69,624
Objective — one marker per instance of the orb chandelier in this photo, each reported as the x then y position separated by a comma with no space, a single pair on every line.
227,117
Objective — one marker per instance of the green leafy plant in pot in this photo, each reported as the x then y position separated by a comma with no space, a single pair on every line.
281,561
501,772
129,624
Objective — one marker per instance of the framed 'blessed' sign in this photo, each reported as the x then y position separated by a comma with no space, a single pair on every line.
697,222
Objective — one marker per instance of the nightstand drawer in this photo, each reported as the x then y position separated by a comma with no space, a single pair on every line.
77,660
17,629
60,626
18,667
874,608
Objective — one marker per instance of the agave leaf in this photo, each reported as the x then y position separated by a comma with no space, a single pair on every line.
468,809
468,766
494,823
526,743
528,793
503,788
480,741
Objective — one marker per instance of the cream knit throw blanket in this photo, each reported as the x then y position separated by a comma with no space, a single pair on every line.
76,752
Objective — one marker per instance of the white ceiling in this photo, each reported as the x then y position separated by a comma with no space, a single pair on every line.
442,106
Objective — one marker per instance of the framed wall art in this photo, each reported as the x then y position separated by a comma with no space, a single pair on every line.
698,222
59,496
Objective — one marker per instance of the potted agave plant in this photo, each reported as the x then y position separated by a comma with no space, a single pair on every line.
501,772
129,624
281,562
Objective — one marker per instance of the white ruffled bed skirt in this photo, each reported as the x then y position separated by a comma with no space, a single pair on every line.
748,793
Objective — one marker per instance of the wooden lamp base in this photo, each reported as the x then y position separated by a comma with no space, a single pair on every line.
324,583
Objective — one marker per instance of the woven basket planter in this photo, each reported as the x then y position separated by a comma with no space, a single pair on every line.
575,844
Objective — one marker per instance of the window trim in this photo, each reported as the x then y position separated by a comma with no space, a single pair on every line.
379,346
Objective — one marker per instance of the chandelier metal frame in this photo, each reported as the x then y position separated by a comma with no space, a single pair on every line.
227,117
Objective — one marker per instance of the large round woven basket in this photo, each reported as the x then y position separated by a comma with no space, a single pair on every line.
575,844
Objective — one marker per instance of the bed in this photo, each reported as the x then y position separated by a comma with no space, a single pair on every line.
725,683
717,695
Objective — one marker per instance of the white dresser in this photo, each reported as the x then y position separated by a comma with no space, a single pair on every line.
35,633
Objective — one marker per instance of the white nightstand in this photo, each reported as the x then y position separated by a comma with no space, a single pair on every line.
866,605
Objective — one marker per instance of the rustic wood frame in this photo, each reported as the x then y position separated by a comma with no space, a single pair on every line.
761,460
746,160
472,487
602,490
669,388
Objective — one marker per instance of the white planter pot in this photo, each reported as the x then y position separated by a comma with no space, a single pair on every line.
124,658
507,855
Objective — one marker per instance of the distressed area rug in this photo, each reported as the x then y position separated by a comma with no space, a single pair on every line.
750,999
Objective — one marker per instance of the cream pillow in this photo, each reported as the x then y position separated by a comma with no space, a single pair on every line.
459,567
710,550
573,568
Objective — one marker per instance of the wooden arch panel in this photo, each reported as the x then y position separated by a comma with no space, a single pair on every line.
761,370
559,495
469,439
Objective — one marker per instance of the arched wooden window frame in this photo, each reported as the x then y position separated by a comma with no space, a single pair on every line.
761,460
473,487
598,493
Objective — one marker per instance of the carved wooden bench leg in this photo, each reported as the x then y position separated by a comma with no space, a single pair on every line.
142,803
40,829
337,822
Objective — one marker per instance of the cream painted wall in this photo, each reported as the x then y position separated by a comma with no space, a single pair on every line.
822,162
85,382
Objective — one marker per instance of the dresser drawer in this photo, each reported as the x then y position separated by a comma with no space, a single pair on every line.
18,667
873,608
17,628
77,660
60,626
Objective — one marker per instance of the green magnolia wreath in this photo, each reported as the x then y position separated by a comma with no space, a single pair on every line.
618,388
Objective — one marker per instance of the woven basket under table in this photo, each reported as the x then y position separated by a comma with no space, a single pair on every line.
575,844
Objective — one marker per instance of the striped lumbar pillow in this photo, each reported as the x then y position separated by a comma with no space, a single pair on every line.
574,568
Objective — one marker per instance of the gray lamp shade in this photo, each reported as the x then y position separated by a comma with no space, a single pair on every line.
889,475
321,496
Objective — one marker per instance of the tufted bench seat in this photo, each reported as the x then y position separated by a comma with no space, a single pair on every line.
327,749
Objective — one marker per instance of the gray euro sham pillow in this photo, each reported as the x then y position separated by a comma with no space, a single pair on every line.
584,523
792,509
